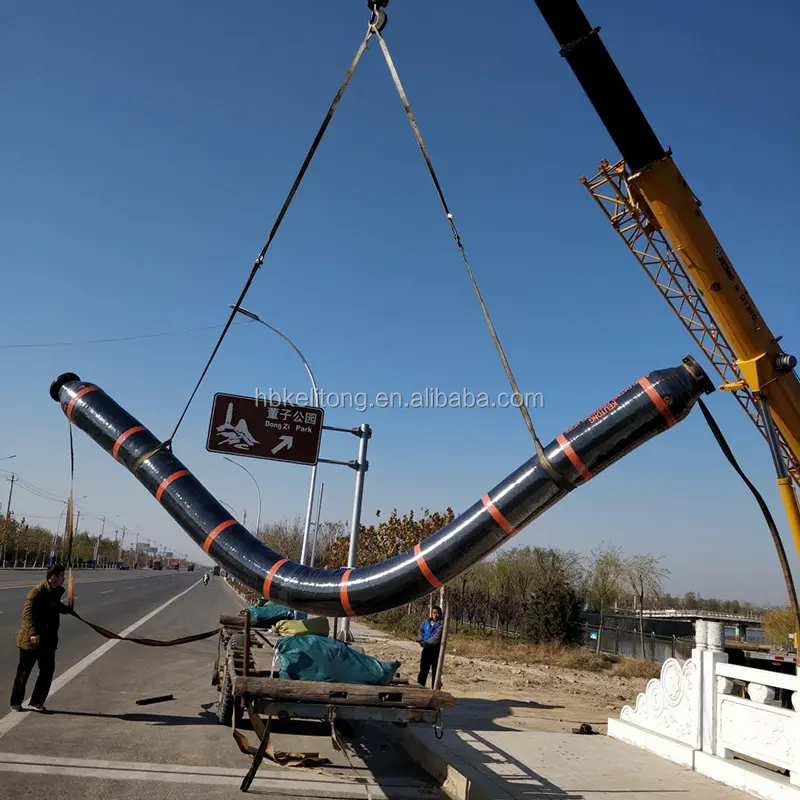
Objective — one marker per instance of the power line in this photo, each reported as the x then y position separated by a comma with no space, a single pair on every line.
118,339
44,494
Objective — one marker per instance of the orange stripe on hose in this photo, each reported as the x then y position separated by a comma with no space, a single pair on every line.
497,515
566,447
345,600
271,574
167,481
81,393
216,532
123,437
425,569
658,401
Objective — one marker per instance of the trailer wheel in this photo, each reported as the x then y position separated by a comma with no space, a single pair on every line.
225,703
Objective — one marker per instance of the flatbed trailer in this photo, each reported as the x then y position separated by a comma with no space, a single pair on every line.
247,677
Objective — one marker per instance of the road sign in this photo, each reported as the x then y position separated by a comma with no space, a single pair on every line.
257,428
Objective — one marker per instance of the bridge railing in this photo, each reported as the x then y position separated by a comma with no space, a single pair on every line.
679,613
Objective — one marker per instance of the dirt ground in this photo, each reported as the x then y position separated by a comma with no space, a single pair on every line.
517,696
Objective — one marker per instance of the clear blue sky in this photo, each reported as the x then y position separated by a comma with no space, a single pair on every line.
146,151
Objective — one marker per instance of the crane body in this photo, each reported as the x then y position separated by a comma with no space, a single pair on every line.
655,192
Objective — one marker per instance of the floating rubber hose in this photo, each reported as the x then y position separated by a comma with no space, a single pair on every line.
646,408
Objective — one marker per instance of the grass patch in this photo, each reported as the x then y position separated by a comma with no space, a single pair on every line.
493,646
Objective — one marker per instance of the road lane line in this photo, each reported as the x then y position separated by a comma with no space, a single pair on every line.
277,781
13,718
78,582
107,591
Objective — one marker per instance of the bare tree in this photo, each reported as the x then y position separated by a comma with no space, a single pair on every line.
645,578
606,570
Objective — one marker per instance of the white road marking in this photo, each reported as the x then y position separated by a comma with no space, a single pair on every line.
78,581
13,718
278,781
107,591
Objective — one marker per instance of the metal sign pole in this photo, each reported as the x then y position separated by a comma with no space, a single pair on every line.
316,526
309,509
364,433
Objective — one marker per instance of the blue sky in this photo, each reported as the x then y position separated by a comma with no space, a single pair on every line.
148,147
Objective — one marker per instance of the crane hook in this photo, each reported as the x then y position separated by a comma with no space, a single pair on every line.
378,19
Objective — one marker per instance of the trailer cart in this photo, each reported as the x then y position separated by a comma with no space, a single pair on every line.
247,677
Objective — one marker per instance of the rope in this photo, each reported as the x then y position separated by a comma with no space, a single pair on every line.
68,532
557,477
287,202
773,528
197,637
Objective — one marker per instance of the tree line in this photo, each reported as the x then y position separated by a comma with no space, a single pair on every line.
24,545
538,592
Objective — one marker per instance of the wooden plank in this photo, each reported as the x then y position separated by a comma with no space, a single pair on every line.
341,693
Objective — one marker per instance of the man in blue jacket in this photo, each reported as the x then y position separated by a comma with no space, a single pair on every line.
429,636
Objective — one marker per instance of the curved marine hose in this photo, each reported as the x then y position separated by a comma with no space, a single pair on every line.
643,410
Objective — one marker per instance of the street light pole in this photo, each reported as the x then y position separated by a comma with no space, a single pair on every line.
258,516
311,488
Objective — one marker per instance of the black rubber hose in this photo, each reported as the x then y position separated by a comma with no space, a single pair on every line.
643,410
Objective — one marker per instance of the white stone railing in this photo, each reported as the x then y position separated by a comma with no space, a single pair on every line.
692,715
758,727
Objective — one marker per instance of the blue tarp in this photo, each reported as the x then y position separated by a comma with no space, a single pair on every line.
265,616
266,613
314,658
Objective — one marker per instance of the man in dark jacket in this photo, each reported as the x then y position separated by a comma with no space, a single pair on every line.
37,639
429,636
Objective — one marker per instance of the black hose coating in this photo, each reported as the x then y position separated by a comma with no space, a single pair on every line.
643,410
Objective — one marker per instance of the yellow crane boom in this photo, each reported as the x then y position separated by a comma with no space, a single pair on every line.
651,205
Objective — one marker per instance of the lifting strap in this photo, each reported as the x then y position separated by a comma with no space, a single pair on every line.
557,477
276,225
197,637
773,528
374,28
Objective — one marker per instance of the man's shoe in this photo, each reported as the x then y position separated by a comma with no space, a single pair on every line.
16,707
40,708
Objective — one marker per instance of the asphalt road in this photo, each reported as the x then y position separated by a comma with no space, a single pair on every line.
98,742
111,598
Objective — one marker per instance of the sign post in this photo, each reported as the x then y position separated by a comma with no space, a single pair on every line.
364,432
245,426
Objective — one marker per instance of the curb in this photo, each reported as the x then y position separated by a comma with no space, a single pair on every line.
458,783
236,592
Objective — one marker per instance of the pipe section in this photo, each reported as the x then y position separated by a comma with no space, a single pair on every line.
646,408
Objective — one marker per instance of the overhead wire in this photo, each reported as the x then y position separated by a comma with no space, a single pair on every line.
44,494
119,338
